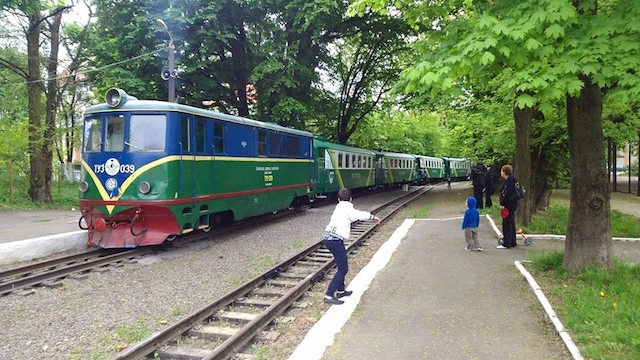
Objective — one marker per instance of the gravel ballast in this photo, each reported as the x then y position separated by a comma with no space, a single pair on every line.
96,317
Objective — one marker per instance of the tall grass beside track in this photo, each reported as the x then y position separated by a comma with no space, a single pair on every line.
65,194
601,309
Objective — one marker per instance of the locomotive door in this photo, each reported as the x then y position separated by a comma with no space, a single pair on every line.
187,166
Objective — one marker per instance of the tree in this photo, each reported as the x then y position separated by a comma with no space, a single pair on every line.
32,15
554,50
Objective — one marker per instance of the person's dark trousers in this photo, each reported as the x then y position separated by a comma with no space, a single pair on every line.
340,255
477,193
488,203
509,230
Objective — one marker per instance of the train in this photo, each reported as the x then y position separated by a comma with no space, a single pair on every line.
153,170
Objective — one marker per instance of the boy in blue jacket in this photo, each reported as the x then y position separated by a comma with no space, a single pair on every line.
470,225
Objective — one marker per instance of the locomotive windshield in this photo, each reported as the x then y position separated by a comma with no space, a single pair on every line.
147,132
114,140
92,134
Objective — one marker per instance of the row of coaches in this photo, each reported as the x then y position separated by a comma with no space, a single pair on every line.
351,167
152,170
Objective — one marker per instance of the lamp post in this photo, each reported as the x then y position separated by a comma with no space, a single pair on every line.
171,49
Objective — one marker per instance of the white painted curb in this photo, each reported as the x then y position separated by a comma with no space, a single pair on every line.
493,225
322,333
30,249
566,338
562,237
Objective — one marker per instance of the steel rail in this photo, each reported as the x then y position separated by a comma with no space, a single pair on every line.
40,272
64,271
23,270
152,343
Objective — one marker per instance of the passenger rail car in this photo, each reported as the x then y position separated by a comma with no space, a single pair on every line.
429,170
153,170
394,168
457,168
342,166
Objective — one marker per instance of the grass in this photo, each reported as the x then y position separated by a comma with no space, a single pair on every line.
556,218
423,212
65,194
601,309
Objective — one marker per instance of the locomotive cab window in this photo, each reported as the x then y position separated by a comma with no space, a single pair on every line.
200,127
92,134
184,135
147,132
114,138
218,138
262,142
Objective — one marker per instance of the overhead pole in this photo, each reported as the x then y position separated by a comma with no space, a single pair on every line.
171,51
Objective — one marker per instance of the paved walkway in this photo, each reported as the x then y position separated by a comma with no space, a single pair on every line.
434,300
22,225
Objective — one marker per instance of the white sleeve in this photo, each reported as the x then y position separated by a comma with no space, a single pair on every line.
355,215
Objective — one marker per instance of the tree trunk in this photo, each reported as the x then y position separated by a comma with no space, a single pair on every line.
52,105
37,170
588,239
522,161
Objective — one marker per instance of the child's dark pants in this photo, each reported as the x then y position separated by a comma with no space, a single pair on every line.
336,246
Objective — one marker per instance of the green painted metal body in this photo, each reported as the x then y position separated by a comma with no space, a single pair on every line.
334,171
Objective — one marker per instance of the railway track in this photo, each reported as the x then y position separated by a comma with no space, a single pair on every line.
51,273
223,328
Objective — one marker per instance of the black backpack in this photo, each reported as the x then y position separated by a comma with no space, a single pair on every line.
519,193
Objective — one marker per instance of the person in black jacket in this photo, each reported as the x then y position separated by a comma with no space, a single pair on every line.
478,180
490,187
508,202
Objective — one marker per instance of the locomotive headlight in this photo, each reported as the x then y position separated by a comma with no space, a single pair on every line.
83,186
144,187
115,97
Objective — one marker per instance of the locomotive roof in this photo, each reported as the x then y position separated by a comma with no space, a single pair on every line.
162,106
318,143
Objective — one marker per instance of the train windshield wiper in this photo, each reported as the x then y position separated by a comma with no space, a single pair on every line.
134,146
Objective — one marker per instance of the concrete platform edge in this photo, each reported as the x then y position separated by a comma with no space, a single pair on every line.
323,332
542,299
23,250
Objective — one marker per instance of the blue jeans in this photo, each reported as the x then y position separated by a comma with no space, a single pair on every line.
336,246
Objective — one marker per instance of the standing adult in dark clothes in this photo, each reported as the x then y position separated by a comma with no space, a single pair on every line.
507,201
478,181
490,187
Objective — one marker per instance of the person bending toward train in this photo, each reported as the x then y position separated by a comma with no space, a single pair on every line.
491,178
336,232
470,224
508,206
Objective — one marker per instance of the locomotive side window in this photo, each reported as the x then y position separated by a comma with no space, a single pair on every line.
218,138
114,138
292,146
184,134
339,160
200,127
92,134
262,142
147,132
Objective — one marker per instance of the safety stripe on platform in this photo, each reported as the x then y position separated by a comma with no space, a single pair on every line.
323,332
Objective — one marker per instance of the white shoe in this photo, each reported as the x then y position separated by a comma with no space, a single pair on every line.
479,249
500,247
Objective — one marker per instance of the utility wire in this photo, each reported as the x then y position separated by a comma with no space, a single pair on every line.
89,70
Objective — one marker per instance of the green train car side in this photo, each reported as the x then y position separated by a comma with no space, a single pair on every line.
428,169
457,168
394,168
340,166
